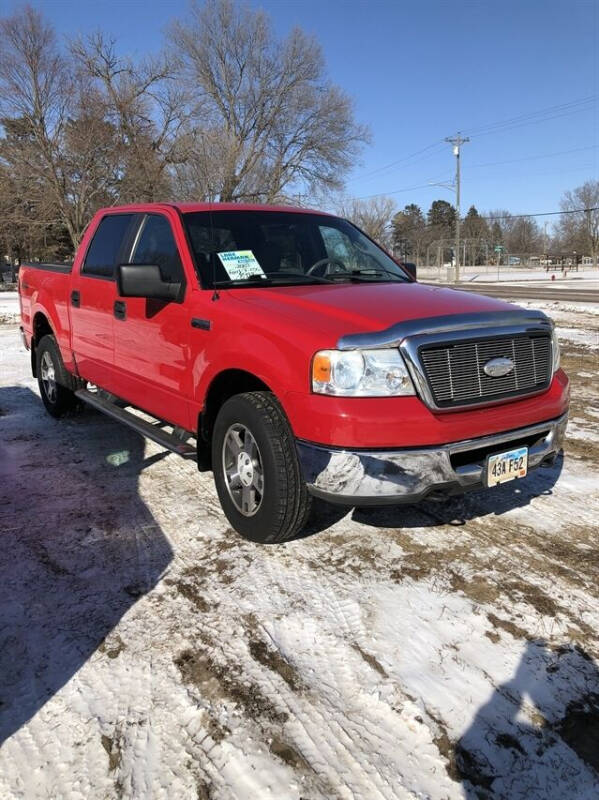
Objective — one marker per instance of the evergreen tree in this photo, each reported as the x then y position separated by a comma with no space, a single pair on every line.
442,215
474,226
409,231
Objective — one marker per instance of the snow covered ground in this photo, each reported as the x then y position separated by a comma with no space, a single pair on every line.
9,307
587,277
441,651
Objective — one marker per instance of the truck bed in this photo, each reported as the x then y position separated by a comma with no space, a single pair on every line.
46,288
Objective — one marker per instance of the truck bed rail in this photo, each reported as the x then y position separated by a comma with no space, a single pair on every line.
49,267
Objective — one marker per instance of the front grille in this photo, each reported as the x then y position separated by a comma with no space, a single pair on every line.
454,370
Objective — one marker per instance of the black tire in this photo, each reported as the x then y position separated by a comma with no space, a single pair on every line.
285,504
58,394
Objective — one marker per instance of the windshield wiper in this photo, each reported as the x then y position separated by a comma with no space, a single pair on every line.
361,275
301,275
272,278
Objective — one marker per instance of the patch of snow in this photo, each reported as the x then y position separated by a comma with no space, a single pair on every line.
435,651
578,429
584,337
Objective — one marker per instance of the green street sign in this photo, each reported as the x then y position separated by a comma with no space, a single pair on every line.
498,248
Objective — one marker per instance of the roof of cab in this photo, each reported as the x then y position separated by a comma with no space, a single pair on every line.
186,208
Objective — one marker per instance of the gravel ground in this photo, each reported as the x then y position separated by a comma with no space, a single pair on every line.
441,651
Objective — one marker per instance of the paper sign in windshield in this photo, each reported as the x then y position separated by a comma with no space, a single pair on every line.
240,264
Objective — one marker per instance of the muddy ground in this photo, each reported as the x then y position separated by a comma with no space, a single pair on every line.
448,650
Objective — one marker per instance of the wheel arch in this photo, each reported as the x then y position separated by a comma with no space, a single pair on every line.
223,386
41,327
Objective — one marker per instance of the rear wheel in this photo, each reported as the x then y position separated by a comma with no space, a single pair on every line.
256,469
56,385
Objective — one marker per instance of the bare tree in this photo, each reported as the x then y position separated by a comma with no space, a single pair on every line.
30,221
579,230
57,149
268,118
145,105
373,215
524,236
35,89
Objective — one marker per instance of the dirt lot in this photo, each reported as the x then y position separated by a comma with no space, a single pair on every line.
442,651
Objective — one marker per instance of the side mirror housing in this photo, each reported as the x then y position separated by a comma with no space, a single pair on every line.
410,268
145,280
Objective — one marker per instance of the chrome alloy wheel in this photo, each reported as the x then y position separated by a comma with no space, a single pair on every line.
48,376
243,471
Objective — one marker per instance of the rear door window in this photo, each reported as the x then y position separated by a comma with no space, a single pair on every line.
106,245
155,244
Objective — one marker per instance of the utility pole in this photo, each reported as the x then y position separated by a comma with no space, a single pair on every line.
457,141
589,226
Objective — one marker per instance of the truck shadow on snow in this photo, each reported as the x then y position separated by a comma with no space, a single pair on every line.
538,735
78,547
459,509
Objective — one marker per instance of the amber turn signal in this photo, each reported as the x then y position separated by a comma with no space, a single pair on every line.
321,368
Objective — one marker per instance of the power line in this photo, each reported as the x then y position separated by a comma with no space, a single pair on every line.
399,161
495,218
532,118
534,158
535,117
431,154
544,213
433,182
395,191
524,124
443,226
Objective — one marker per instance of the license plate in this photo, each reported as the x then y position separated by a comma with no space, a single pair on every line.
504,467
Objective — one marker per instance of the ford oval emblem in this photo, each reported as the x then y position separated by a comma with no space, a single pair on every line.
498,367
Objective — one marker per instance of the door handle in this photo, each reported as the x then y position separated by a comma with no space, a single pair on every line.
75,298
120,309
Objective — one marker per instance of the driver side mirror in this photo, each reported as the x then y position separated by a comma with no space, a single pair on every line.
145,280
410,268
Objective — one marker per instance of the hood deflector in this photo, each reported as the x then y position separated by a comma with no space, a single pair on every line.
448,323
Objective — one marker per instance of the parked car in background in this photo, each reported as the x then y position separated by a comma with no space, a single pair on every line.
8,273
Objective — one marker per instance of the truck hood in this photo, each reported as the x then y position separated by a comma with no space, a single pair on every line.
360,308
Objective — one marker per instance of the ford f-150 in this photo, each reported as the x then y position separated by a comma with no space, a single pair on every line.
289,353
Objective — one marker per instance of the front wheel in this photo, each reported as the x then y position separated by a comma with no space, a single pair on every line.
256,469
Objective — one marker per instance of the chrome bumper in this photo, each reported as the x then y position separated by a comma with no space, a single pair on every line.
406,476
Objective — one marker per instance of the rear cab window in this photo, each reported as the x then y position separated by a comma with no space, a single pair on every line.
106,246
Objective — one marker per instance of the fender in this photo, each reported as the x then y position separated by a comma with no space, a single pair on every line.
269,358
57,315
47,293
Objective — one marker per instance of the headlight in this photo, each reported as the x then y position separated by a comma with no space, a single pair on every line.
555,350
361,373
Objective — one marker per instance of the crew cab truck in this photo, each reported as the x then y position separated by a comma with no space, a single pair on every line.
299,356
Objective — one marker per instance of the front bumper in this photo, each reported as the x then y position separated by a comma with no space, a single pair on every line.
405,476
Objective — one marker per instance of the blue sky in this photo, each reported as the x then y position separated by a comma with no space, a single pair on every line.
421,71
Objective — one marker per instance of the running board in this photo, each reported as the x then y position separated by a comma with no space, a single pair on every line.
153,432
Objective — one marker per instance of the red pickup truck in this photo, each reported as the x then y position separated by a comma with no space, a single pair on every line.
286,351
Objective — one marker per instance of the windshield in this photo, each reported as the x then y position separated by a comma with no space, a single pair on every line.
266,248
